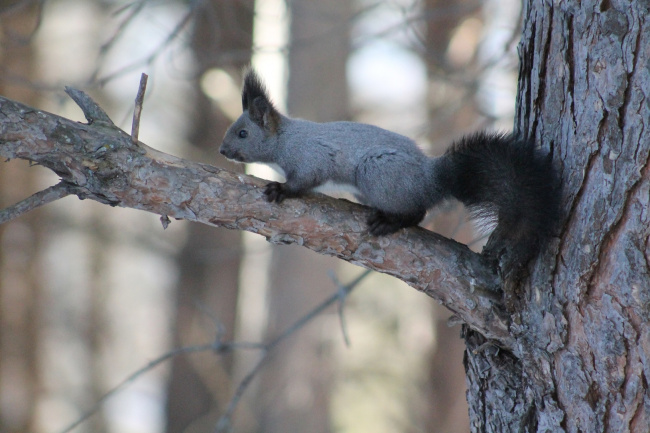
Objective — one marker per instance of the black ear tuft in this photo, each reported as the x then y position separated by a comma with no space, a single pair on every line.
253,89
255,100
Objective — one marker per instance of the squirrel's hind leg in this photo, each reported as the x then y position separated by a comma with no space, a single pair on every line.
383,223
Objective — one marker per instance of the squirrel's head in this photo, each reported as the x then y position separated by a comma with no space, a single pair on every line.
248,138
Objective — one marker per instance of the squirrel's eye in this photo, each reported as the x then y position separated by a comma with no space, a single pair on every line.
243,133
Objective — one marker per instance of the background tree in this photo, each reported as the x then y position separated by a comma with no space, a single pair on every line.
451,80
19,285
301,376
209,261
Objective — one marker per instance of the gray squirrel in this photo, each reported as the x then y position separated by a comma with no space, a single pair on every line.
498,176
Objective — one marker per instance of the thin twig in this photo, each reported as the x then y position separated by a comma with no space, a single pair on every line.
137,112
41,198
224,422
134,376
148,60
343,293
217,347
135,8
341,304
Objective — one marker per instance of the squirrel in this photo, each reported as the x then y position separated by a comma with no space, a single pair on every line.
499,177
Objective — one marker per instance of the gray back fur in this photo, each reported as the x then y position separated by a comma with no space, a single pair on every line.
388,169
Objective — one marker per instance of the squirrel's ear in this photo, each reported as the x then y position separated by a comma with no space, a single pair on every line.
252,89
262,112
255,100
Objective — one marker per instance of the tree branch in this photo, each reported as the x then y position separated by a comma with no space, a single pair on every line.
103,164
48,195
137,112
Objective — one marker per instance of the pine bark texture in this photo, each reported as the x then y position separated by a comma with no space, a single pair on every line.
582,328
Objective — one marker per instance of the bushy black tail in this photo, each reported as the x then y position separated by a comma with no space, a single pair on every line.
507,180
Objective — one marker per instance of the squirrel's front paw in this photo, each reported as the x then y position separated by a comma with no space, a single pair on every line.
381,224
274,192
384,223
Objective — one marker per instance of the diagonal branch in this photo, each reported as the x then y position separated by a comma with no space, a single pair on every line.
48,195
100,160
137,112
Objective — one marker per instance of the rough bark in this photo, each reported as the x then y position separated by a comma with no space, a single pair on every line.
583,327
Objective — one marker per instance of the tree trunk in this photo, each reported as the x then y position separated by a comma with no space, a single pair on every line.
21,244
297,383
209,262
447,407
583,338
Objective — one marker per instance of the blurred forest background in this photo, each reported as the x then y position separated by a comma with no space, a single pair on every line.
89,294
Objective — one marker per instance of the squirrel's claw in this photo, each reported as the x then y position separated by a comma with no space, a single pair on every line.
380,224
274,192
383,223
